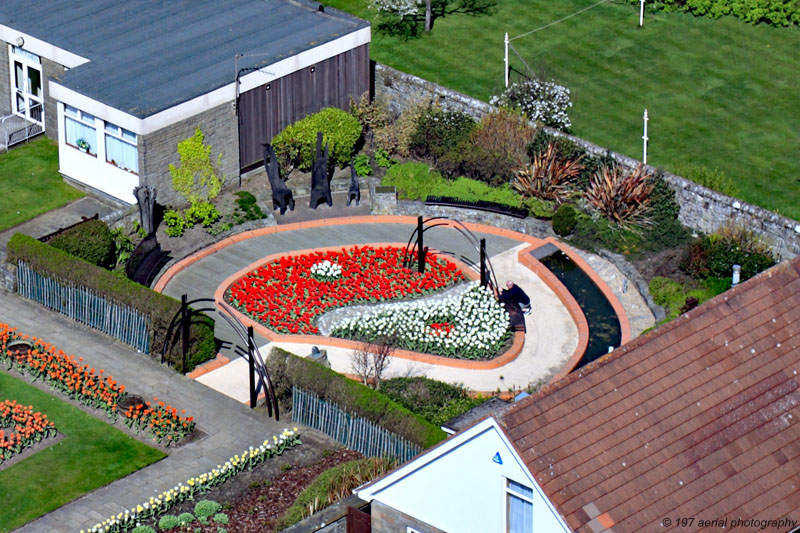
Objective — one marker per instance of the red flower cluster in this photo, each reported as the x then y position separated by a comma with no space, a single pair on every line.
83,383
29,427
441,329
162,421
62,371
284,296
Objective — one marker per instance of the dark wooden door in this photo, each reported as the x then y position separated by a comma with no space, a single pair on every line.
358,521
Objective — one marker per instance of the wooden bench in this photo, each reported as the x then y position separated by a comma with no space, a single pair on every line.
145,261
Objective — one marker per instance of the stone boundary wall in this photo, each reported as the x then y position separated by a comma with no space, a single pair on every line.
702,209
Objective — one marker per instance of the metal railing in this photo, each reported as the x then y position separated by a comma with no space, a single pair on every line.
24,128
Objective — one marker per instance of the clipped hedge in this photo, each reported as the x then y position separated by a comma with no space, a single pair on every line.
92,241
59,265
287,370
296,144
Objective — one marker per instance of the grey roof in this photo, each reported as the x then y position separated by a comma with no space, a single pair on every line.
149,55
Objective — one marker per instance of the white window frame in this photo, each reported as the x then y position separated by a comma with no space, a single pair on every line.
509,491
73,113
118,132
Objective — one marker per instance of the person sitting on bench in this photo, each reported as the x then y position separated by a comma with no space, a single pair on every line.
515,295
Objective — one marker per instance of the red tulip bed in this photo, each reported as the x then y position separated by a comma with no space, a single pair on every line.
27,428
85,384
287,296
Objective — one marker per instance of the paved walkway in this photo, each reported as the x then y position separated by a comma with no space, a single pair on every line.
230,426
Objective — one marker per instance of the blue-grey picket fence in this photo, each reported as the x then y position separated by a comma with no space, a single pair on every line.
119,321
354,432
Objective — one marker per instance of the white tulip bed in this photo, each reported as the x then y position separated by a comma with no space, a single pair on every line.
472,325
326,271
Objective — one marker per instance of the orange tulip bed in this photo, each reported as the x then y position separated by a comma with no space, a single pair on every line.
27,428
85,384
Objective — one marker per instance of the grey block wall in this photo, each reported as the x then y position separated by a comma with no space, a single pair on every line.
388,520
54,71
160,149
5,80
702,209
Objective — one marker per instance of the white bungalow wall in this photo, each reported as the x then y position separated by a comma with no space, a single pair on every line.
93,171
464,489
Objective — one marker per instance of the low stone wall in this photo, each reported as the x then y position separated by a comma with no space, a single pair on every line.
702,209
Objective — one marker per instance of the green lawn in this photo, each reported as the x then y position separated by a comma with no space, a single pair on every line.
720,93
31,182
93,454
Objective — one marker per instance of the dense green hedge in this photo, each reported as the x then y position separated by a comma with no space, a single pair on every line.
773,12
435,401
287,370
296,144
64,267
92,241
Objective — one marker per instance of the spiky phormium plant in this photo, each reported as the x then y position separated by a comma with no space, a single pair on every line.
620,196
548,176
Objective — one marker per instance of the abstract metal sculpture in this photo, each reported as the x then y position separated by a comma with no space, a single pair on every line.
320,184
281,194
146,198
355,191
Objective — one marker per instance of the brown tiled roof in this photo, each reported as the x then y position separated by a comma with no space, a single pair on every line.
695,419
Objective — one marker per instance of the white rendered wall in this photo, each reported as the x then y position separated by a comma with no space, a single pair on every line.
464,490
94,171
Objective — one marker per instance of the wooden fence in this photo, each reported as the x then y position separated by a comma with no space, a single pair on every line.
354,432
78,303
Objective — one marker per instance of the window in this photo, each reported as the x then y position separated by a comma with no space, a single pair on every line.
80,130
121,150
519,508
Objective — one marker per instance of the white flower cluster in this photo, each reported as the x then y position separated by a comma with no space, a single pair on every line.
134,517
481,324
401,8
326,271
542,101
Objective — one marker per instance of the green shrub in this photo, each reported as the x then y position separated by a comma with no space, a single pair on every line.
564,220
362,166
714,255
713,179
92,241
123,246
185,518
773,12
383,160
438,132
143,529
168,521
674,296
590,234
203,213
417,181
296,144
71,270
435,401
539,208
247,208
664,230
196,179
221,518
331,486
176,224
287,370
206,508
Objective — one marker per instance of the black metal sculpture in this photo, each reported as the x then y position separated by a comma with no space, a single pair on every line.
281,194
146,198
320,184
355,191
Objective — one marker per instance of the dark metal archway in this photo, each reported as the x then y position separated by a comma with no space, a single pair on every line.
181,324
484,263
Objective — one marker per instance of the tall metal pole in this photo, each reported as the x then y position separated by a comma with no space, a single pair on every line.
483,262
644,139
506,60
185,323
641,13
251,365
420,247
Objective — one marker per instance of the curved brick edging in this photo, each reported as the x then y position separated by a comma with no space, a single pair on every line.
503,359
561,292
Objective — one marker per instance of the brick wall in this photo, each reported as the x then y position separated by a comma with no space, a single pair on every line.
702,209
388,520
54,71
5,80
160,149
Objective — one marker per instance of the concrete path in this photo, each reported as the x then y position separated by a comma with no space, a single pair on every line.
230,426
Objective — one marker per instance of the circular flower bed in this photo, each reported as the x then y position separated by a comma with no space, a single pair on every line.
472,325
288,294
28,428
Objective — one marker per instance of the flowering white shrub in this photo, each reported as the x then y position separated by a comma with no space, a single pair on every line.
472,325
158,505
401,8
542,101
326,271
